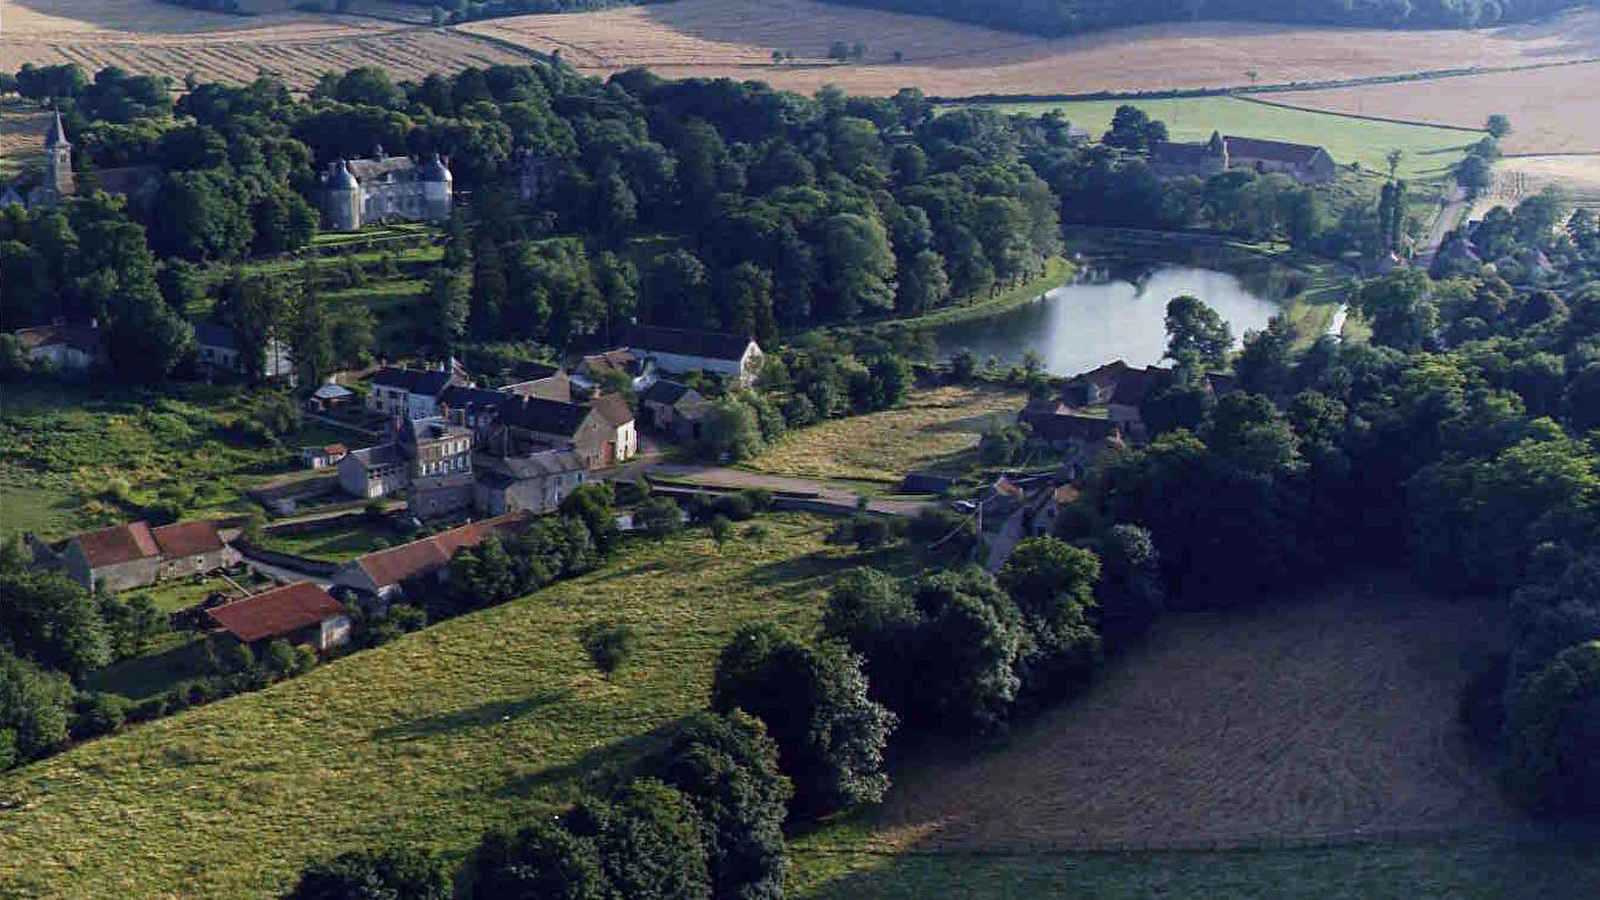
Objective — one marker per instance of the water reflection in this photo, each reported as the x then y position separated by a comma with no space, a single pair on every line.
1116,313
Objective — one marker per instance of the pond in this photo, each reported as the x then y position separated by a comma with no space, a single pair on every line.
1113,313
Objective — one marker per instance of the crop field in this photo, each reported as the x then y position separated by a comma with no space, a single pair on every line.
1518,177
149,37
478,722
1428,151
937,428
735,38
1552,110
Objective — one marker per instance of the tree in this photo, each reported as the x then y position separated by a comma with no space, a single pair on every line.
1553,730
53,621
1393,158
839,51
1128,596
1052,583
830,736
727,766
648,840
1498,126
1133,130
860,265
609,644
1195,330
33,710
449,305
310,332
389,874
731,429
541,862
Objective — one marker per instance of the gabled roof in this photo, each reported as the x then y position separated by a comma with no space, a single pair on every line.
277,612
117,544
381,455
1279,151
685,342
597,364
1070,427
79,337
1133,384
210,334
534,371
397,564
417,381
332,391
386,168
188,538
1173,153
458,396
545,416
670,393
534,465
614,409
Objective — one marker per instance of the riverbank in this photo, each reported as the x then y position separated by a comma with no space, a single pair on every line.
1057,272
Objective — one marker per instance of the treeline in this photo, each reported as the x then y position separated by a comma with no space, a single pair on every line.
1058,17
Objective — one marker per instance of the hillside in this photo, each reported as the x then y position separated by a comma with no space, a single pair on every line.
474,723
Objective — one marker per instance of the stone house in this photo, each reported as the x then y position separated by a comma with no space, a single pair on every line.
411,393
535,424
679,351
537,482
373,472
1061,428
429,459
300,613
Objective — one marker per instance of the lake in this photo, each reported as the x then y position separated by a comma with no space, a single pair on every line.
1111,315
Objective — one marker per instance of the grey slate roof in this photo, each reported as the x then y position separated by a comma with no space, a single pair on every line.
210,334
416,381
1281,151
685,342
545,416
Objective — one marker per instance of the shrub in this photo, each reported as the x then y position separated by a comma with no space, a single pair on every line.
609,644
760,498
648,840
544,861
33,708
391,874
278,659
721,529
659,517
98,714
736,507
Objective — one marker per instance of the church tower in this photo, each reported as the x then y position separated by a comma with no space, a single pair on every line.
58,180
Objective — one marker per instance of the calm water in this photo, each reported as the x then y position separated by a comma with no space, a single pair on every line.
1080,326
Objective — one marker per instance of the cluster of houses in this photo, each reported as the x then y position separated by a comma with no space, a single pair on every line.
453,446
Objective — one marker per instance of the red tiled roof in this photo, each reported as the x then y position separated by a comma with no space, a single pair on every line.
187,538
117,544
397,564
277,612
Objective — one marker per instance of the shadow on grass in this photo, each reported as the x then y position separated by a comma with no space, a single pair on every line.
480,716
146,676
593,770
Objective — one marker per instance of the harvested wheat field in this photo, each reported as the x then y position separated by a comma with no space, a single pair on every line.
149,37
736,38
1336,715
1517,177
22,131
1552,110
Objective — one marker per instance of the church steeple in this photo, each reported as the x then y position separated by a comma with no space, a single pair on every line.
58,135
58,160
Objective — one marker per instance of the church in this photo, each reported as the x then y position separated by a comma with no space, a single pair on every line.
1304,163
137,183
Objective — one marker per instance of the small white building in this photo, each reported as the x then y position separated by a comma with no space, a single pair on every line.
219,351
68,348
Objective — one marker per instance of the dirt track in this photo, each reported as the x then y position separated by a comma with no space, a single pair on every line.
1331,716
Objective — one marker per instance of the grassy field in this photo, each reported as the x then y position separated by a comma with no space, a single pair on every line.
735,38
1428,151
936,429
334,544
76,455
478,722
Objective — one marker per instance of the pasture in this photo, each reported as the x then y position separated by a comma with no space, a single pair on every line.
937,429
1428,151
735,38
478,722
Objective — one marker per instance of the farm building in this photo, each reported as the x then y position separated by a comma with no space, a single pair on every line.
593,369
321,457
329,397
134,555
537,482
1302,162
675,408
679,351
383,574
300,613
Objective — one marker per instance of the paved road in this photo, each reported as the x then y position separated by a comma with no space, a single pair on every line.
738,480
